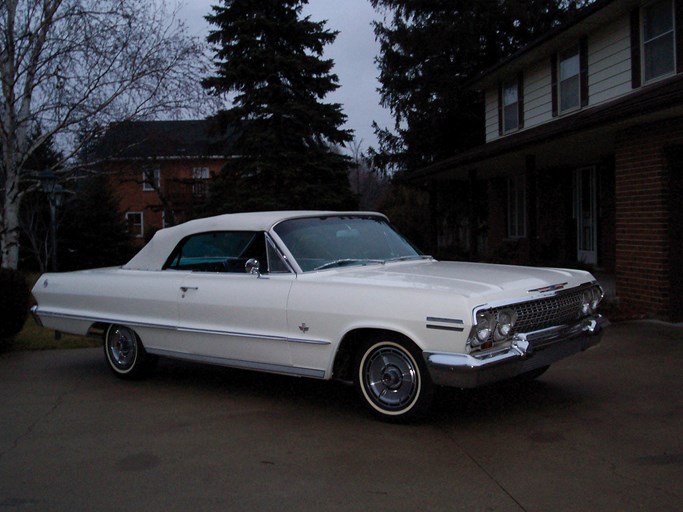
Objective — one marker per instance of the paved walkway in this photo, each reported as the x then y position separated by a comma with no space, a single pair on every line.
599,432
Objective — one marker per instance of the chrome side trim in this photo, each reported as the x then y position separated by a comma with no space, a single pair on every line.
86,318
168,327
36,318
452,324
237,363
308,342
218,332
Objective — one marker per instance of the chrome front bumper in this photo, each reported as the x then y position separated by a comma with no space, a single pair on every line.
527,352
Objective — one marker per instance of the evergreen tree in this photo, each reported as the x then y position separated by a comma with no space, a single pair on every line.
34,212
93,232
270,59
428,51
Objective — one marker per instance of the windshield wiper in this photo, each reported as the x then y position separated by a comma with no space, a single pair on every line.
346,261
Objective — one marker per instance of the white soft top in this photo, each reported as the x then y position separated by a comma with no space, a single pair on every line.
153,255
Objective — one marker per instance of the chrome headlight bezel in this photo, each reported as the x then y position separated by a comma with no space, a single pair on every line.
484,326
598,295
590,300
505,323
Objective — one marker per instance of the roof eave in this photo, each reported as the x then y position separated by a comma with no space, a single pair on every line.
647,100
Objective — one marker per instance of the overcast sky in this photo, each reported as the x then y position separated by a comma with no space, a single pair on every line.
353,52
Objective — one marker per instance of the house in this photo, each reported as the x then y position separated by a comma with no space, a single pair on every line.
160,170
583,159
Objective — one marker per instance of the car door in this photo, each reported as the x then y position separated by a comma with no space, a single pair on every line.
236,319
227,315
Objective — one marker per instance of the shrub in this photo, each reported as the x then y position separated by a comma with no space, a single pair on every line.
14,304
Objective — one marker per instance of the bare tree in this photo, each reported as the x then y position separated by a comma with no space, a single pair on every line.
73,66
369,185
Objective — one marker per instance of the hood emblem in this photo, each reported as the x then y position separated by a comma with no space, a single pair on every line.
551,288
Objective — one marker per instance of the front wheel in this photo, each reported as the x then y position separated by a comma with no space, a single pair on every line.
124,352
392,379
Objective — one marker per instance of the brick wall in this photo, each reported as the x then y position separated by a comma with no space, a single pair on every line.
175,177
643,217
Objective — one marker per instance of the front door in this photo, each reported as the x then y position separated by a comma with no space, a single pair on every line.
586,214
237,319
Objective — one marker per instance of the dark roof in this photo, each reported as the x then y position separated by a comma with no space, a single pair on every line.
132,140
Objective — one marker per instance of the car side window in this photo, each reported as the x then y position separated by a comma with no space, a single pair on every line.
218,251
276,263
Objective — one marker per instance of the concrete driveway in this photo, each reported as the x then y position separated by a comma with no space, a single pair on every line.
602,431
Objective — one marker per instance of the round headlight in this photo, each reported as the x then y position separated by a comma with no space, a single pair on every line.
483,327
586,299
506,321
596,298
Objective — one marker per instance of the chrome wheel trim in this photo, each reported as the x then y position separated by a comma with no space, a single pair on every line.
122,348
390,378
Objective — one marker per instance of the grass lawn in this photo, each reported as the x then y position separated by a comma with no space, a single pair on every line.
33,337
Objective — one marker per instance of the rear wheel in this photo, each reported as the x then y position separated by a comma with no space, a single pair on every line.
124,352
392,379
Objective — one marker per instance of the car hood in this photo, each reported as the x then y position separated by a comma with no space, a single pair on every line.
462,278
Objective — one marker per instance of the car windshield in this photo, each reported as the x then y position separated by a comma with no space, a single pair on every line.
318,243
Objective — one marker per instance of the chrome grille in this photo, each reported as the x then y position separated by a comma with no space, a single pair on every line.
535,315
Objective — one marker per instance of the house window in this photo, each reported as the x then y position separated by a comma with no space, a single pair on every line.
658,40
151,179
516,207
510,100
134,220
200,177
569,85
569,75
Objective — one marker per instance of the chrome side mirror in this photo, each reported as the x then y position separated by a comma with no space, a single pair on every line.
252,266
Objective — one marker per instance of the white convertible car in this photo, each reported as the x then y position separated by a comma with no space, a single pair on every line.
327,295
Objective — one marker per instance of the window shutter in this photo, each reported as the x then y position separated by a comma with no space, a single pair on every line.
678,26
635,48
520,100
553,81
583,65
500,108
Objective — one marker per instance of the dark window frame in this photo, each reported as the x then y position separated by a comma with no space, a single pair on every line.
518,106
555,67
637,44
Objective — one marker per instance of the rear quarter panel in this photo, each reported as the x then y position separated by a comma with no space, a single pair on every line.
146,300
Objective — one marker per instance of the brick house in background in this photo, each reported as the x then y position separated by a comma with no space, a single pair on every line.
583,159
160,170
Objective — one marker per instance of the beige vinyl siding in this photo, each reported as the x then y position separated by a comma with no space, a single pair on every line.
609,77
537,98
537,101
609,62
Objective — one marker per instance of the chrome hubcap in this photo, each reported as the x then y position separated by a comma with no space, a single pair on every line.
391,378
122,347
